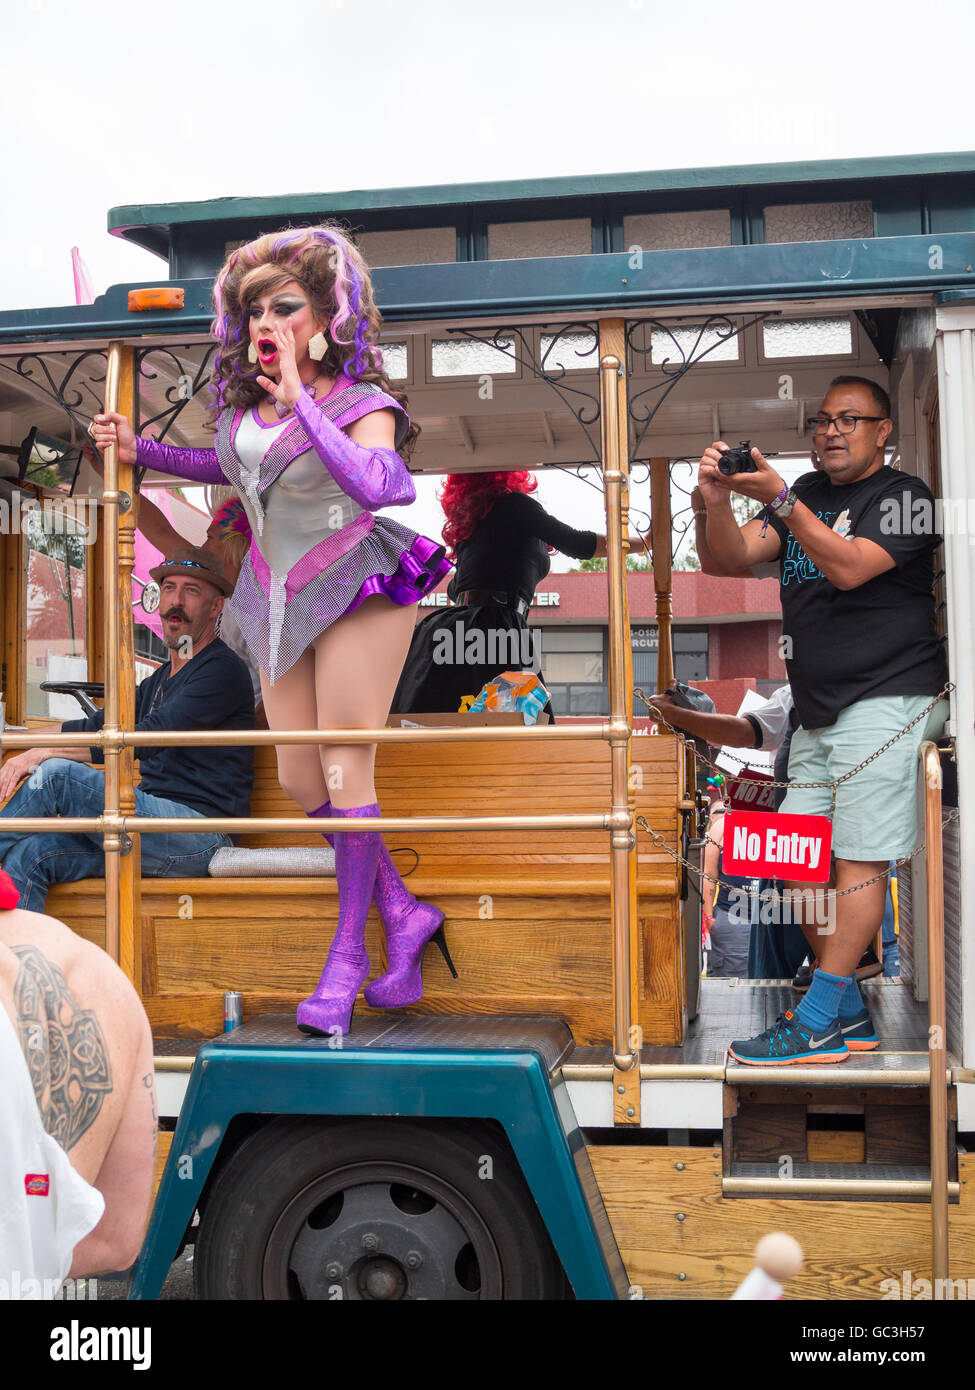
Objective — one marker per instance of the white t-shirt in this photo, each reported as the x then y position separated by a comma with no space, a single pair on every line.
46,1207
772,718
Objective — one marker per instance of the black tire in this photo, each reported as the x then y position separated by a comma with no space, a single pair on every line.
310,1208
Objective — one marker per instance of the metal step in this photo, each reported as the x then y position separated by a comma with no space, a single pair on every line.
910,1182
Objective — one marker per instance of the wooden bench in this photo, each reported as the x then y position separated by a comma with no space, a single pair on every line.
527,917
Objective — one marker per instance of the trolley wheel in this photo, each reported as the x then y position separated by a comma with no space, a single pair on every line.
329,1209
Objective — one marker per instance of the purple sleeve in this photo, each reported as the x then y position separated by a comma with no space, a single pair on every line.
196,465
372,477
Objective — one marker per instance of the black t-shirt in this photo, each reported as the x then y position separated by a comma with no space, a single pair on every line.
506,550
880,638
210,691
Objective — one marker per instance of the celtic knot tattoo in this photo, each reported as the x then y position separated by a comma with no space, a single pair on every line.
63,1046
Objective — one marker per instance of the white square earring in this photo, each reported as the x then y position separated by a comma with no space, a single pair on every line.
251,353
317,346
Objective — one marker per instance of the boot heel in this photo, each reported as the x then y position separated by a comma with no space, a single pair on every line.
441,941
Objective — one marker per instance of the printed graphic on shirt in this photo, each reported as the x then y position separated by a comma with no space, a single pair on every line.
797,567
842,524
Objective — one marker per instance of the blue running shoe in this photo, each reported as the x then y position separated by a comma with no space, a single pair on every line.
858,1032
790,1041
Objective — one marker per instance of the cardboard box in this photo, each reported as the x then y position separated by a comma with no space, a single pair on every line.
489,719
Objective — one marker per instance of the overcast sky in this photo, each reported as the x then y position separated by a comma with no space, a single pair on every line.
107,103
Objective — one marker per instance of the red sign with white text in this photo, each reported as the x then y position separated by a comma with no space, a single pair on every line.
763,844
750,791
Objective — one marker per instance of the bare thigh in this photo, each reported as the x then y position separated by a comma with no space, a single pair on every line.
358,662
291,703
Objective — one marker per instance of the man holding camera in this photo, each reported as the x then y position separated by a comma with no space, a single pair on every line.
856,569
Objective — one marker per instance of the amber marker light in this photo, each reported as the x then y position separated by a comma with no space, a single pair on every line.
164,298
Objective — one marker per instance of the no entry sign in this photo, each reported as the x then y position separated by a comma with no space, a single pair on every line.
764,844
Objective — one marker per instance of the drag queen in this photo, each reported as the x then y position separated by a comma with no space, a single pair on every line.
314,442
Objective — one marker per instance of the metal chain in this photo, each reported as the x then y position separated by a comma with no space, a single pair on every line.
688,742
831,893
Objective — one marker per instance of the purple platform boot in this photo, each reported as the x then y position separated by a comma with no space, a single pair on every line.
329,1009
410,924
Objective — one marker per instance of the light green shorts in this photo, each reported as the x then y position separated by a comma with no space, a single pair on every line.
876,810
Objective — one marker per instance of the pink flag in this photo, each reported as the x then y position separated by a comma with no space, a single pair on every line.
82,284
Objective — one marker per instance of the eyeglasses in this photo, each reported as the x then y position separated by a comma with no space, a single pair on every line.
845,424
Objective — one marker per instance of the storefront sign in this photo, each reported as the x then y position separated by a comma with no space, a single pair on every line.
545,598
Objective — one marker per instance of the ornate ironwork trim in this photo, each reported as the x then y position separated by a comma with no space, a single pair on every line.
68,397
176,395
672,371
522,351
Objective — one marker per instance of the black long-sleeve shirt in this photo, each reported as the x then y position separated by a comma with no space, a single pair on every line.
506,550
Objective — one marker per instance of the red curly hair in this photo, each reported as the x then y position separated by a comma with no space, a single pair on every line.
468,497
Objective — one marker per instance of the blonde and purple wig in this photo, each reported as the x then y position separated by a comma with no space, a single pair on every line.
330,269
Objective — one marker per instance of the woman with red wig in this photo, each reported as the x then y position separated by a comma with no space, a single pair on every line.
500,539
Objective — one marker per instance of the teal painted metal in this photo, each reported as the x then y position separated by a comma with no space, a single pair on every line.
132,221
716,275
510,1087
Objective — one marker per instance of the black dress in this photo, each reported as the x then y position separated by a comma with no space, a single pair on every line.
455,651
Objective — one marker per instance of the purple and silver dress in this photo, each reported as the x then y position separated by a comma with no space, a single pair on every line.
317,551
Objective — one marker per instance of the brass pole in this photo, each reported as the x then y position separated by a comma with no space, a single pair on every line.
622,840
292,825
661,530
262,738
937,1049
130,864
830,1187
112,841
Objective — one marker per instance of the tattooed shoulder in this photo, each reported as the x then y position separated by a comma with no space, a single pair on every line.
64,1048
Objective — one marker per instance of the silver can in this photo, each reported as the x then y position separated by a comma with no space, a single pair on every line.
233,1010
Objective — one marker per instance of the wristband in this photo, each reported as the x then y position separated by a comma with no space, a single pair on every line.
781,505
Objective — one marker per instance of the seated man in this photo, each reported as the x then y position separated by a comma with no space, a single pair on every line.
77,1107
204,686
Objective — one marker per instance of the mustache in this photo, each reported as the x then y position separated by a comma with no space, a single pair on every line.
174,613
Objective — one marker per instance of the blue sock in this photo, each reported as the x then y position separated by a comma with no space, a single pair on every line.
851,1000
822,1002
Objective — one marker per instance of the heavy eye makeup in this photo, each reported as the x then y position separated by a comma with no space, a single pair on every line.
285,307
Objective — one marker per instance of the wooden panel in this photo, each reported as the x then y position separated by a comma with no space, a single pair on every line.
764,1133
850,1247
164,1141
836,1146
13,609
897,1135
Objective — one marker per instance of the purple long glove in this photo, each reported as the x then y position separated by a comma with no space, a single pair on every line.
372,477
197,465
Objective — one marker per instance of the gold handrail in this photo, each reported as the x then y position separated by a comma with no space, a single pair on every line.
615,475
112,843
937,1042
262,738
290,825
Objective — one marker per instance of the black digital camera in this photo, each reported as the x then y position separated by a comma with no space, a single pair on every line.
737,460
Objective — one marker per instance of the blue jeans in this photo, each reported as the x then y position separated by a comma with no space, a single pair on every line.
60,787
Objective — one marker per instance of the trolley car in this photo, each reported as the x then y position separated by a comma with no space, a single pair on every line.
563,1116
